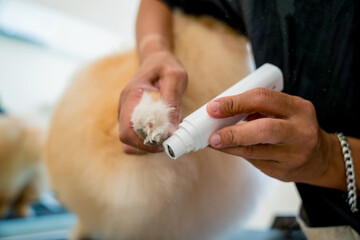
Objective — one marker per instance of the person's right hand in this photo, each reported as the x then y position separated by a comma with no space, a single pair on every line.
160,71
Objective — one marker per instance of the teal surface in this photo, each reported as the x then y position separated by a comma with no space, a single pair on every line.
40,227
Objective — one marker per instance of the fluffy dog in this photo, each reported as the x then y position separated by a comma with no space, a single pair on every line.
119,196
22,174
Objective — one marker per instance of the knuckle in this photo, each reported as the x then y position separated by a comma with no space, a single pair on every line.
308,107
309,131
130,93
175,72
311,138
272,131
266,129
178,78
260,95
232,137
229,105
247,151
226,136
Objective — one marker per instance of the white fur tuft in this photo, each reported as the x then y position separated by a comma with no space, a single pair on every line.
150,119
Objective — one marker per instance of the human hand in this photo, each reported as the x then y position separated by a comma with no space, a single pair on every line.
285,142
159,71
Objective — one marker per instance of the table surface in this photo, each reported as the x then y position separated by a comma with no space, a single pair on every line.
55,223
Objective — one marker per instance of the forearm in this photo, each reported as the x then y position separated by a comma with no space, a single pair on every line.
153,28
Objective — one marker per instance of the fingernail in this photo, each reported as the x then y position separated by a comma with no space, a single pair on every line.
215,140
215,106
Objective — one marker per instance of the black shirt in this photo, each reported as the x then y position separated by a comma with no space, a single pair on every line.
316,45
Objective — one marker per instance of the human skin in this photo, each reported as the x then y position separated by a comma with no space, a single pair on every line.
286,142
159,71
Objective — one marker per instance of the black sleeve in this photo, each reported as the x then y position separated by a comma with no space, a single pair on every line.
229,12
326,207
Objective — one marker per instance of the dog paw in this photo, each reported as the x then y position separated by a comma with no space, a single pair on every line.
150,119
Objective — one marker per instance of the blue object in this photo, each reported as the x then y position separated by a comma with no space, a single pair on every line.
2,111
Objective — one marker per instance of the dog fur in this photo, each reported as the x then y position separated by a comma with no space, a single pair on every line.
150,118
22,173
119,196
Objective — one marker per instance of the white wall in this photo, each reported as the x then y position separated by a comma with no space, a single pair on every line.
33,77
115,15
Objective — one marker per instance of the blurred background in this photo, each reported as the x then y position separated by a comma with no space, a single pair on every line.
42,44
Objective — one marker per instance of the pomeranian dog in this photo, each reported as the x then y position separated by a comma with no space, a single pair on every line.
119,196
22,172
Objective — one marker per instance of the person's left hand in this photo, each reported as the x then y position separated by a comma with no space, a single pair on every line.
284,140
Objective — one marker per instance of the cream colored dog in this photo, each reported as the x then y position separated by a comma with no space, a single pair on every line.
22,173
119,196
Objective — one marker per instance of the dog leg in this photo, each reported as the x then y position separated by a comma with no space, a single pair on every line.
4,207
79,233
150,119
22,204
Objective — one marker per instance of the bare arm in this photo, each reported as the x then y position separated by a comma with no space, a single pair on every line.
153,28
159,71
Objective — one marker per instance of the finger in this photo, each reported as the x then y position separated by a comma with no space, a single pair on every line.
132,150
129,137
172,88
254,116
146,75
260,100
128,100
258,152
259,131
262,157
173,99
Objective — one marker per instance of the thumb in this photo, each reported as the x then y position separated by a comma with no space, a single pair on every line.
173,99
172,96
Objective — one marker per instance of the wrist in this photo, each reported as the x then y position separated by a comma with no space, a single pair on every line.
332,173
336,175
151,44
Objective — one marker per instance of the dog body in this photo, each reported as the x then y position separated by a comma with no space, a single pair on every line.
119,196
22,173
